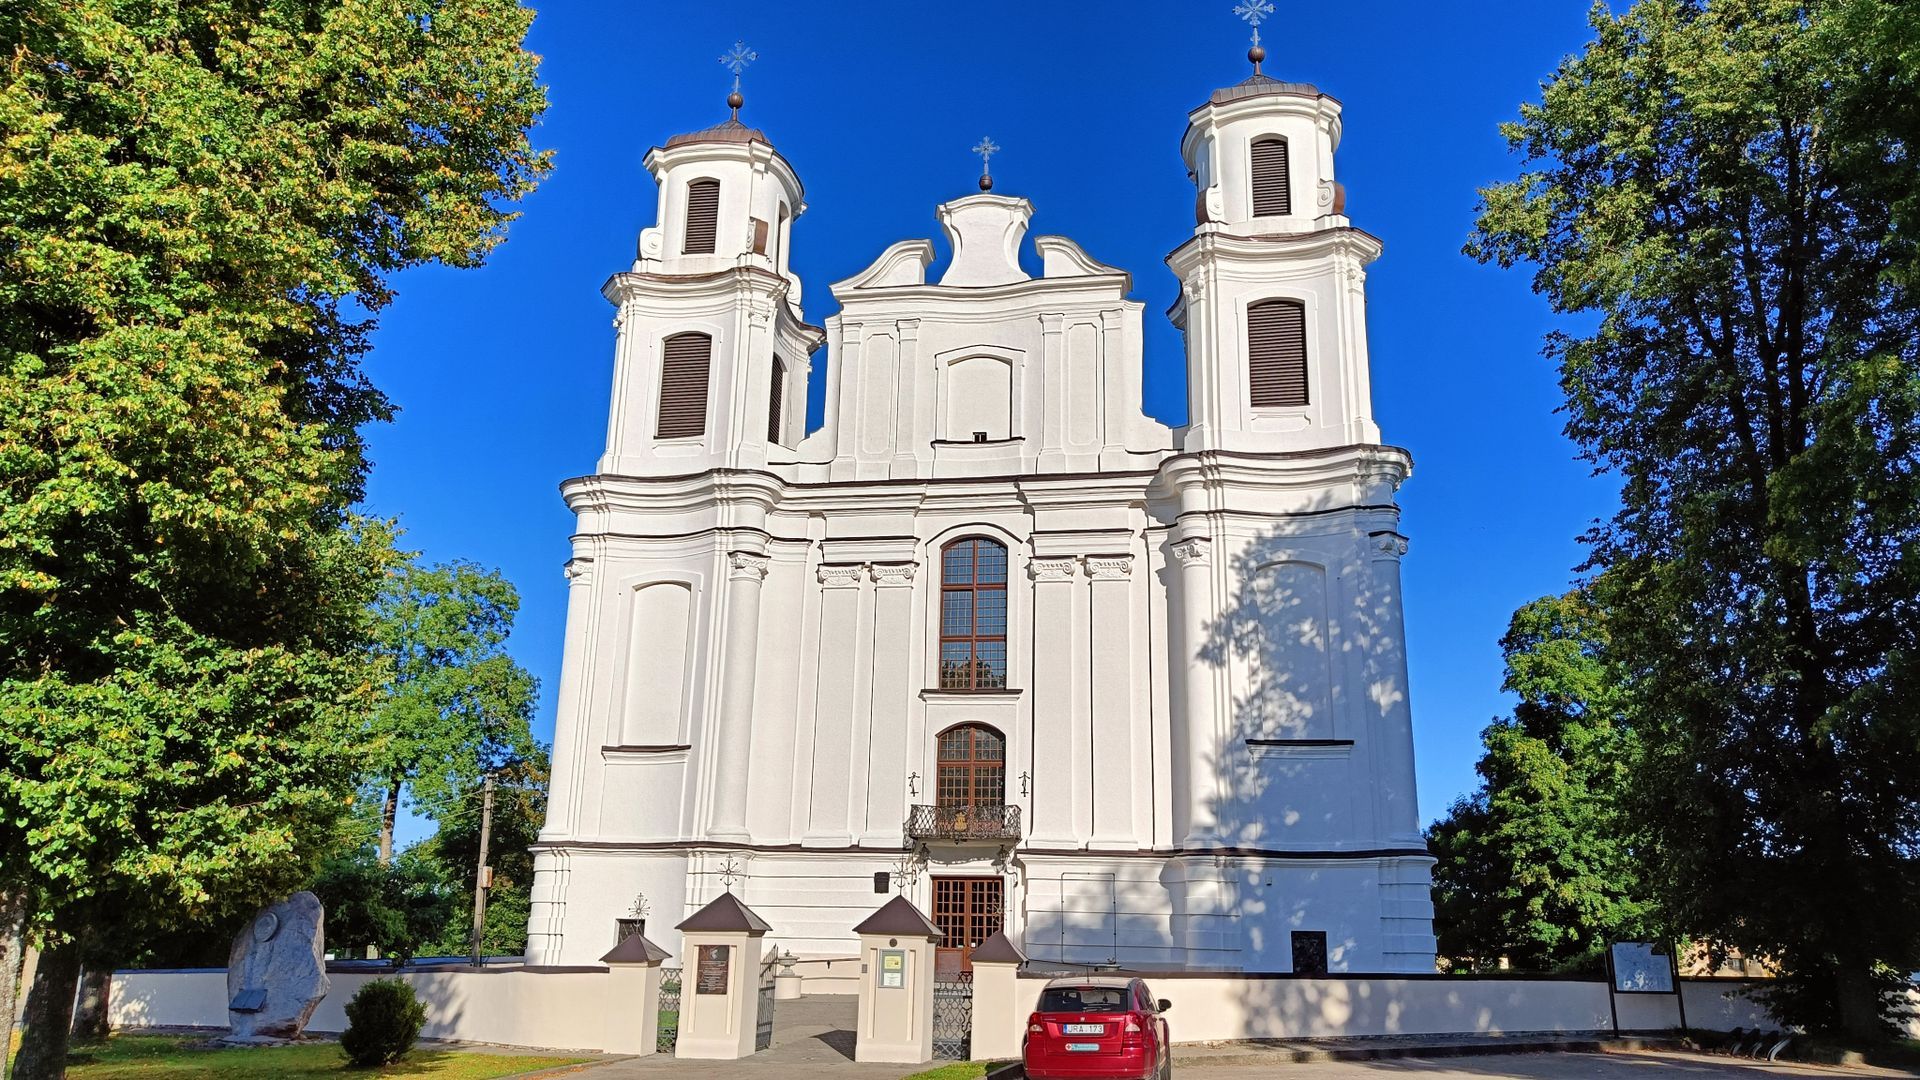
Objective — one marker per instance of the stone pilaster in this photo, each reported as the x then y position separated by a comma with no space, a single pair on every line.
1109,581
1054,749
746,571
886,790
1196,738
834,701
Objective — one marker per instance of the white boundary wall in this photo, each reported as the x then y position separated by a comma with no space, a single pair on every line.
574,1010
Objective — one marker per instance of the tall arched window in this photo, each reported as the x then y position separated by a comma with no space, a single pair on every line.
973,615
683,386
1272,197
703,217
1277,353
973,767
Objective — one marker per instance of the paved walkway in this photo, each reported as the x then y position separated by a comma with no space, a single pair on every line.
812,1036
1559,1066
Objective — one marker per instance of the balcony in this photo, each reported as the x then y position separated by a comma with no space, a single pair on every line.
964,824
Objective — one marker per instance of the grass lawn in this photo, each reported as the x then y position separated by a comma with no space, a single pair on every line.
959,1070
186,1058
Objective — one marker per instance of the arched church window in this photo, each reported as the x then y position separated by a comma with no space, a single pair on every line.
973,615
972,767
683,386
703,216
1277,353
1272,197
776,400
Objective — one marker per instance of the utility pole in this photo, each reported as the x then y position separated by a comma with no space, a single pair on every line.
482,873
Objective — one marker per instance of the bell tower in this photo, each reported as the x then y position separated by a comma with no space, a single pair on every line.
712,352
1272,297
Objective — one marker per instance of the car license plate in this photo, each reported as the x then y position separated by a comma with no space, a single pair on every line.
1083,1029
1083,1046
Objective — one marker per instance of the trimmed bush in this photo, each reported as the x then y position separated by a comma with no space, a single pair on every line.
383,1020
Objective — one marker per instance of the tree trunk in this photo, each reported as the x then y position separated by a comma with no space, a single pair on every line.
13,956
43,1052
1863,1013
90,1012
388,813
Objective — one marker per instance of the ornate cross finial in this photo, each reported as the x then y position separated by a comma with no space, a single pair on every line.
986,148
1255,12
730,871
736,61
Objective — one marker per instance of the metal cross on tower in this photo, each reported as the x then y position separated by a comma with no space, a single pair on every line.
736,61
986,148
730,871
1255,12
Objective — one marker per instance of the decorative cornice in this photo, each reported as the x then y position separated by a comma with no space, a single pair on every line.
746,566
839,575
1109,567
1050,569
893,575
1193,551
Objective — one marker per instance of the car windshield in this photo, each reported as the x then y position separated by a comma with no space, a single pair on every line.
1073,999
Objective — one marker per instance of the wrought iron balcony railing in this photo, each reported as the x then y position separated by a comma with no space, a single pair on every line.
993,823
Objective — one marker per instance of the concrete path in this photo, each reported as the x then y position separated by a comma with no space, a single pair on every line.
1625,1066
812,1036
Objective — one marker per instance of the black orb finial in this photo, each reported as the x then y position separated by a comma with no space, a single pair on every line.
986,182
1256,54
734,101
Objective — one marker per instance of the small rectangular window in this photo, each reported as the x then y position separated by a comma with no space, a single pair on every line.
1272,196
1277,354
776,401
684,363
703,217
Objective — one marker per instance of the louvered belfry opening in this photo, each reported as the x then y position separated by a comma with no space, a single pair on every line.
683,386
776,398
1277,353
1271,195
703,216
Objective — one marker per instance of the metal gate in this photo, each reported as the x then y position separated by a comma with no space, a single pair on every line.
763,1032
669,1011
953,1016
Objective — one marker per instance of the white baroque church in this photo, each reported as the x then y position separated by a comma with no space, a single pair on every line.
992,637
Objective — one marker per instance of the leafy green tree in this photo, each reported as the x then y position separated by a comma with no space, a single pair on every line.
455,706
1724,191
519,811
1536,865
200,204
400,909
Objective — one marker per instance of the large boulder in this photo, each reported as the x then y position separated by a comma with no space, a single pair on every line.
277,971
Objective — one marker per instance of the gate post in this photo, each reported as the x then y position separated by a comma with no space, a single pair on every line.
633,983
896,985
999,1010
720,982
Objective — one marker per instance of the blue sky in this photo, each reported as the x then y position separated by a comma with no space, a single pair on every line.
502,374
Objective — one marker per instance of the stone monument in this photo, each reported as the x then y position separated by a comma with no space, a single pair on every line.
277,971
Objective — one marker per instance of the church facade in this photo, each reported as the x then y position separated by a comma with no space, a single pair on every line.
992,637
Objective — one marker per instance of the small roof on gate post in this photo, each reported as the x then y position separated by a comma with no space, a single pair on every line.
636,950
726,914
998,949
899,918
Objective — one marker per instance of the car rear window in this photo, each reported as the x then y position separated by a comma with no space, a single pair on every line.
1068,999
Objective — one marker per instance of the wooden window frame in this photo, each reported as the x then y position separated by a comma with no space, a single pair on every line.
1276,202
682,388
973,586
690,241
982,779
1278,381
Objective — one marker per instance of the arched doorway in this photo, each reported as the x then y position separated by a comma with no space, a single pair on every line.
970,789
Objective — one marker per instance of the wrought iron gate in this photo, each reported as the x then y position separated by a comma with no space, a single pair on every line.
953,1016
763,1032
669,1011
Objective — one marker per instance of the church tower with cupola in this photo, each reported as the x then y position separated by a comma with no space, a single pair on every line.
711,359
1271,298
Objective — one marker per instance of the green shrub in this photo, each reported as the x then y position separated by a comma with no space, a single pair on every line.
383,1020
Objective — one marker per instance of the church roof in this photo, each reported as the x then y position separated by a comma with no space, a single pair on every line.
1258,85
726,913
726,131
898,918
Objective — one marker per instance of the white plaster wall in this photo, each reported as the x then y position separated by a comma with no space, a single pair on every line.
168,998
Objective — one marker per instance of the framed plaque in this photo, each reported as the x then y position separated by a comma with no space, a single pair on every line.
893,969
710,977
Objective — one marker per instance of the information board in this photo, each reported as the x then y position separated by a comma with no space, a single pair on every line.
1641,968
893,969
711,975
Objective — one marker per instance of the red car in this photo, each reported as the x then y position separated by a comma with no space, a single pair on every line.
1106,1026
